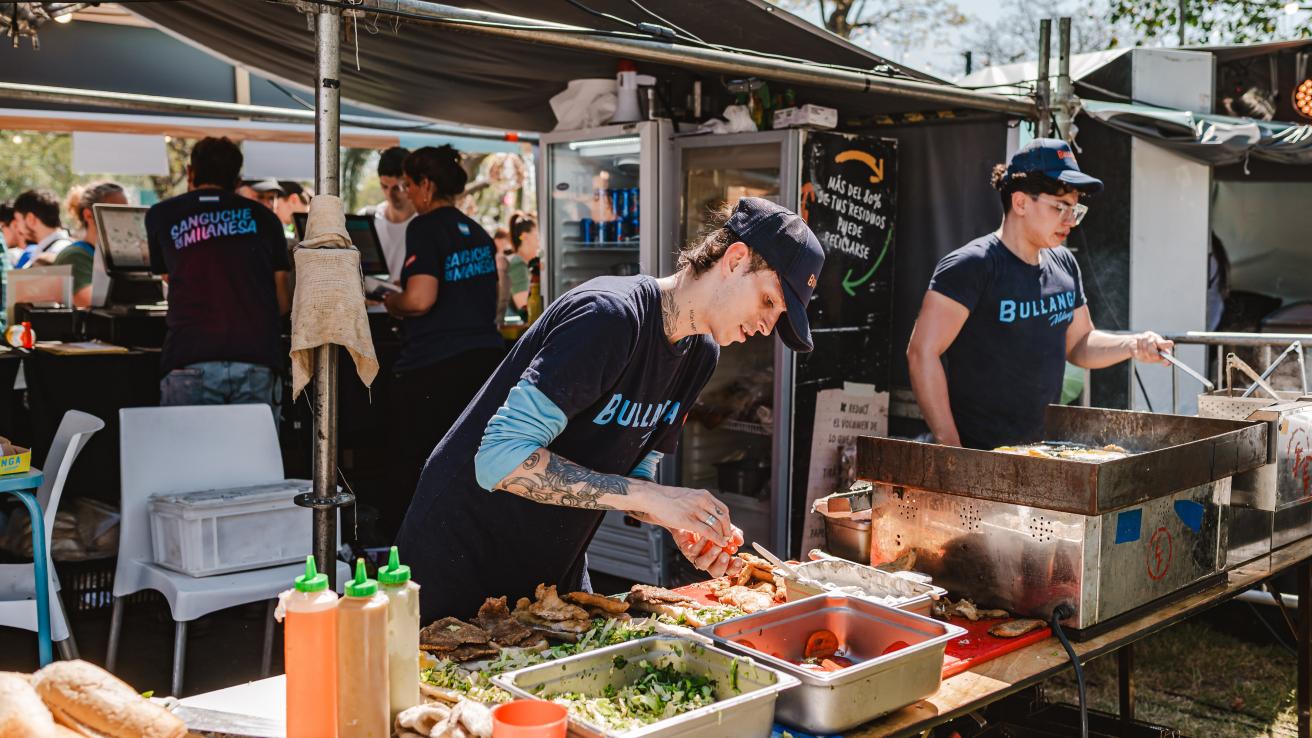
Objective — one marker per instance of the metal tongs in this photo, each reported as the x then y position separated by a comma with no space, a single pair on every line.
1170,358
1234,362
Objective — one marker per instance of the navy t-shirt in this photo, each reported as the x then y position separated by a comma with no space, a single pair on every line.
448,245
601,355
220,251
1007,363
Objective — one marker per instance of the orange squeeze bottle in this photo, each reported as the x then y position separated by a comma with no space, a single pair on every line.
310,653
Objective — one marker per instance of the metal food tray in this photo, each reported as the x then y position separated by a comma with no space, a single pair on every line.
749,710
902,593
1169,453
837,701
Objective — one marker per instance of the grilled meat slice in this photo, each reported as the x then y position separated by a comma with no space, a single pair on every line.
449,634
549,606
494,617
598,602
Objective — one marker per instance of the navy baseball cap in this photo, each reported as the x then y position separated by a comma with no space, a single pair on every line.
1053,158
783,239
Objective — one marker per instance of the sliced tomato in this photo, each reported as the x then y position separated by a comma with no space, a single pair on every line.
821,644
894,646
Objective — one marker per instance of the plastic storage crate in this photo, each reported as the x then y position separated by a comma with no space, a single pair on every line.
221,531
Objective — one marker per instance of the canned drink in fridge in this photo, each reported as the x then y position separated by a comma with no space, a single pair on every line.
586,229
635,217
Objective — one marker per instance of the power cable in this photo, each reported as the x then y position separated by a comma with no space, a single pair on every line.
1058,613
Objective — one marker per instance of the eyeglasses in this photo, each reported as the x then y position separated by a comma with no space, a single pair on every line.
1072,214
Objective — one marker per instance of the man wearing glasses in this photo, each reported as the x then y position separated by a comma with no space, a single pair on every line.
1006,311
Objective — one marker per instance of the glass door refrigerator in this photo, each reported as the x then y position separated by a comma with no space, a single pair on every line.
600,213
598,206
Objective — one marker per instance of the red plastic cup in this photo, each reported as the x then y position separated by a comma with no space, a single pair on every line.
529,719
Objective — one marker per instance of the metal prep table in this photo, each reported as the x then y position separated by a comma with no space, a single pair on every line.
1026,533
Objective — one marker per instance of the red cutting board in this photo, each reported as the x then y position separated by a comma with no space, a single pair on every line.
977,646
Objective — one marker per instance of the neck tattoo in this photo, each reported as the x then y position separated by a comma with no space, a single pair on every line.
692,320
669,313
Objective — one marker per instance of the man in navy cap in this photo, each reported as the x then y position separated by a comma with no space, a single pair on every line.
1006,311
575,419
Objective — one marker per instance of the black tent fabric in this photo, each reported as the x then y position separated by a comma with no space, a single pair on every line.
444,73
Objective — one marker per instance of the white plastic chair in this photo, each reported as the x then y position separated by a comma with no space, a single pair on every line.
17,586
181,449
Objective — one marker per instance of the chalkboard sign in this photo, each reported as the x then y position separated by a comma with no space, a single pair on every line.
848,197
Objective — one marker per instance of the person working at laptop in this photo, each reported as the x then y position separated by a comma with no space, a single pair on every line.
225,259
450,344
81,255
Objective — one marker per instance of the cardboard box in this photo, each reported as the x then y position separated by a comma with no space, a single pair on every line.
14,459
806,116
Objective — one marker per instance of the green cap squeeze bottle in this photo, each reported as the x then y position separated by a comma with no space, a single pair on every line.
310,654
362,711
402,633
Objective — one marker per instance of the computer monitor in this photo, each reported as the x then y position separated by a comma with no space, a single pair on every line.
122,230
365,237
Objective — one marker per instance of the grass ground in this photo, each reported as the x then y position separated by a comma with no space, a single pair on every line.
1219,676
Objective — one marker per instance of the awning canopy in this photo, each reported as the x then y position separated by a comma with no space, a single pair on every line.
448,73
1211,139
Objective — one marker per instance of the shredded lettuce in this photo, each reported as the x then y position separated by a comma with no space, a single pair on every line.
661,692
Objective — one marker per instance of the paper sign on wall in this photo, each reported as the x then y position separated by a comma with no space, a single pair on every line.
841,416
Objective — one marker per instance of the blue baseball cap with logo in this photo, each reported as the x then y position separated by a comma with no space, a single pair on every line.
1052,158
787,244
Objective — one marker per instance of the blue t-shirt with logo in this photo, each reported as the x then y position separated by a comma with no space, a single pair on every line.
450,246
1007,363
599,353
220,251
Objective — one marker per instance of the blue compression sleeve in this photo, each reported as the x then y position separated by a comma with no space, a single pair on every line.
646,469
528,420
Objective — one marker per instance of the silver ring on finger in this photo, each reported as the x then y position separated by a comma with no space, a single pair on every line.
710,520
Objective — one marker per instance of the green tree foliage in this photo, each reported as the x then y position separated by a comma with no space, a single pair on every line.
34,160
1210,21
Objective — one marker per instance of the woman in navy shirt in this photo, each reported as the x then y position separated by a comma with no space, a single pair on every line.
449,338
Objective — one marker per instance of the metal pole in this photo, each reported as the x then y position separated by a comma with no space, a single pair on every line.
970,62
327,179
1183,4
1065,92
1125,681
1042,93
266,113
1304,574
686,56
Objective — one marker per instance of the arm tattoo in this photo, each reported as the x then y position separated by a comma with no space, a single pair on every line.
669,312
564,483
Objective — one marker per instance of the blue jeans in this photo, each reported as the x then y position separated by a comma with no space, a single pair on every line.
220,383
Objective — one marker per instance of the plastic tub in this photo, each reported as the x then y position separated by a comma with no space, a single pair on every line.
220,531
529,719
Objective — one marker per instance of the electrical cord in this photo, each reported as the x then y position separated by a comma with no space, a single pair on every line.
1059,613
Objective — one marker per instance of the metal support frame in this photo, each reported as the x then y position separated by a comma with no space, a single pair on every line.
1065,104
1224,342
1042,91
1125,681
327,180
687,56
47,94
1304,574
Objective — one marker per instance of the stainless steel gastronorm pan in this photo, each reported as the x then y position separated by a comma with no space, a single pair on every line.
745,691
878,684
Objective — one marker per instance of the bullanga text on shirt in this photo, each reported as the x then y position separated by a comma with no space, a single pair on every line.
212,224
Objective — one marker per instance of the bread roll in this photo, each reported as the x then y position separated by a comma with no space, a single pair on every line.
95,703
22,714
